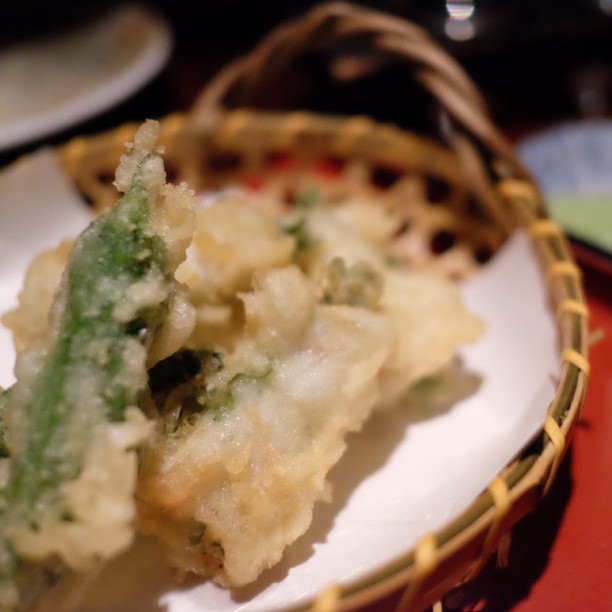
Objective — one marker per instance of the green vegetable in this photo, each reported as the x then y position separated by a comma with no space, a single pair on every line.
299,230
191,383
307,198
93,369
179,368
358,285
4,395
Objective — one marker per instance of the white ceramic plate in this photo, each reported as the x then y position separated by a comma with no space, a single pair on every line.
409,472
54,83
572,164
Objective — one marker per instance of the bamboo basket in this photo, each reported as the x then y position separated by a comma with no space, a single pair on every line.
462,191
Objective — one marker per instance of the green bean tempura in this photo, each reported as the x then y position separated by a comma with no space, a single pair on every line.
71,422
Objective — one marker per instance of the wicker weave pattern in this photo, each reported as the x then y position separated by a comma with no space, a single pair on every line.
350,158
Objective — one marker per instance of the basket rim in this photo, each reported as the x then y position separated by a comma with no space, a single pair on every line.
473,535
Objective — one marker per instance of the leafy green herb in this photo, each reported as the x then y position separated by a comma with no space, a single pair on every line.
307,198
299,230
4,396
196,534
179,368
358,285
431,387
391,260
217,399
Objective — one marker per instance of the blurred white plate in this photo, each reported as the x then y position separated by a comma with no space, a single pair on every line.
572,163
56,82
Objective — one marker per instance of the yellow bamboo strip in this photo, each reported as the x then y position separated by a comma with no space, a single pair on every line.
570,306
557,439
425,561
545,227
563,268
518,188
328,599
501,506
575,358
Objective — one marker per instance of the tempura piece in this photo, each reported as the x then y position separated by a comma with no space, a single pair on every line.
29,321
430,321
72,425
312,342
228,492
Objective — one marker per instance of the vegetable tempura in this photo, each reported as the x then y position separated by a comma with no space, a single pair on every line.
285,333
71,420
303,329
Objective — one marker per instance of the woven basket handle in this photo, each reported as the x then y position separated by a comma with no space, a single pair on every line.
339,22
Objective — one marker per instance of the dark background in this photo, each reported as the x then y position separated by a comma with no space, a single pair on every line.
537,61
